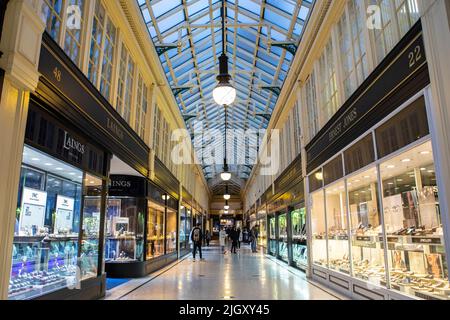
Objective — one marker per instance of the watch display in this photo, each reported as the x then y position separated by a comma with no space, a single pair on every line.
406,253
299,237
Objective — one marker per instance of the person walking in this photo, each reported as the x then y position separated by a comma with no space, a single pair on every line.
254,237
239,238
196,237
207,237
234,239
223,239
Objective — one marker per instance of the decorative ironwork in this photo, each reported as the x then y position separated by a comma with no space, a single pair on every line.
177,90
289,46
161,49
274,89
187,117
263,115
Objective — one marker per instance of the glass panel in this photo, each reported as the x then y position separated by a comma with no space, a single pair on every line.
416,253
92,192
155,231
183,235
337,226
171,234
359,155
48,207
262,237
282,237
315,180
272,236
365,221
409,125
333,170
299,247
318,229
124,229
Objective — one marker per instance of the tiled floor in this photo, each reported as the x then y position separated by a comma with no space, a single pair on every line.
243,276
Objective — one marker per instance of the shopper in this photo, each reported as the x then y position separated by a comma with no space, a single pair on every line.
196,237
239,238
234,239
223,239
254,237
207,237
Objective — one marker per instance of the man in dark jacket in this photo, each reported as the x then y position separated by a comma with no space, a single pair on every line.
196,237
234,235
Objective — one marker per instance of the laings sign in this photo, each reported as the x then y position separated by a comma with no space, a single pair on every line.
72,144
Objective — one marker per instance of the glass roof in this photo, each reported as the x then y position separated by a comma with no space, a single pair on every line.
261,39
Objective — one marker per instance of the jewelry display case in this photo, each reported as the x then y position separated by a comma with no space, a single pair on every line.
41,265
124,230
299,238
272,236
415,251
155,230
283,237
366,229
262,238
318,228
411,237
45,245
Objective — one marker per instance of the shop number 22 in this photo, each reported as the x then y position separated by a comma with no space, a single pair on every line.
415,56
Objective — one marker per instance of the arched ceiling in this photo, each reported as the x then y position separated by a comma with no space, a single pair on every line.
261,41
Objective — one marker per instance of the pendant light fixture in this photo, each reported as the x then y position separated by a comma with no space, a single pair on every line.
224,93
226,195
226,206
225,175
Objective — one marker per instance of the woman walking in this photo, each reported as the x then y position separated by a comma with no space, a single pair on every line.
223,239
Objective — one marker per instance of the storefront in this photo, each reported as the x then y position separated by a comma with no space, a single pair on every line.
376,229
162,228
261,224
185,224
61,209
141,227
297,215
272,248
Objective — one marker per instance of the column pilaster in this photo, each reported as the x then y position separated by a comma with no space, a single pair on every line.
21,46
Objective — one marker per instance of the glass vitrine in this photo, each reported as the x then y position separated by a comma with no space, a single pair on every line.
283,237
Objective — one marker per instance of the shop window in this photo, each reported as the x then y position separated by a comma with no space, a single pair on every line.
282,237
262,237
272,236
101,57
92,192
299,245
333,170
409,125
315,180
359,155
337,228
183,234
416,250
56,15
366,229
48,208
318,229
155,231
125,218
171,231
